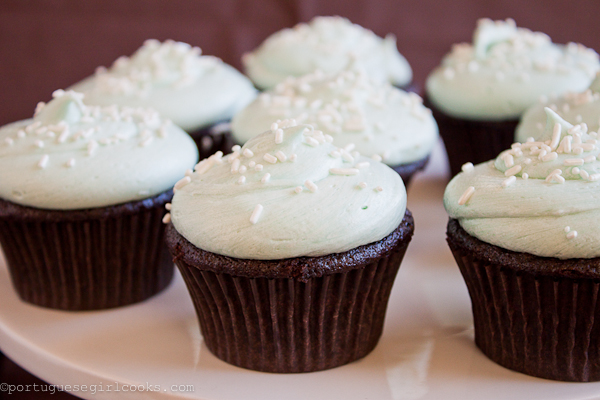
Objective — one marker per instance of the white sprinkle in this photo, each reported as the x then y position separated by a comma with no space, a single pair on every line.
328,138
91,147
311,141
525,175
362,185
256,214
567,229
589,159
167,218
39,143
168,206
242,169
298,189
587,146
363,164
293,157
379,189
584,174
513,171
270,158
21,133
594,177
147,141
235,166
274,126
448,73
574,161
311,186
508,159
182,182
349,147
251,164
43,161
248,153
549,157
376,157
467,167
347,157
258,167
281,156
527,161
509,181
8,141
466,196
572,235
335,154
236,148
242,180
575,170
578,150
265,178
279,136
70,163
344,171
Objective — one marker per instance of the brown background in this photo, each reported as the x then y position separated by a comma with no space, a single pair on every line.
50,44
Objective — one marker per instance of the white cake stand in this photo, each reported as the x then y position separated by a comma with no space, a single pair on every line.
426,351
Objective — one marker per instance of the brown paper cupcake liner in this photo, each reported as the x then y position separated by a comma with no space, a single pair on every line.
541,323
473,141
212,139
86,259
306,314
407,171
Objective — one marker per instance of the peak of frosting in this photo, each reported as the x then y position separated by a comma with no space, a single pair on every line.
329,44
74,156
506,70
174,78
381,120
287,192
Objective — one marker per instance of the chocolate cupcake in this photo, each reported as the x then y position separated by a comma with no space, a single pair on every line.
377,120
479,92
289,253
328,44
196,92
523,233
82,197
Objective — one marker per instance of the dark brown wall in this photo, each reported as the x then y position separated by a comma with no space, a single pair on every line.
50,44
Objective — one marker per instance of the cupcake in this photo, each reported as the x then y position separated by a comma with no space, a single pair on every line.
479,92
579,107
289,253
522,231
329,44
378,120
82,195
196,92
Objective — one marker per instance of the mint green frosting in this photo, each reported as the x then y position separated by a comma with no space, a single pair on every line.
582,107
505,71
287,193
329,44
173,78
379,119
548,208
74,156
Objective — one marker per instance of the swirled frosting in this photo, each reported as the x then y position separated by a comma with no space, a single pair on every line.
287,192
581,108
329,44
381,120
173,78
540,197
74,156
505,71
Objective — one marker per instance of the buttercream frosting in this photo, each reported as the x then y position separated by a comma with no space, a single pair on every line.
381,120
540,197
175,79
74,156
287,192
505,71
579,107
329,44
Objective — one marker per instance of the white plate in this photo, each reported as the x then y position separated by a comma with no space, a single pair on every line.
426,351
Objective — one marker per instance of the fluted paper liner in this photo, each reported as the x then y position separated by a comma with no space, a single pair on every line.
539,324
295,324
471,140
86,259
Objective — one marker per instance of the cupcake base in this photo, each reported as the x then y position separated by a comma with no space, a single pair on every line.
473,141
212,139
534,315
407,171
293,315
86,259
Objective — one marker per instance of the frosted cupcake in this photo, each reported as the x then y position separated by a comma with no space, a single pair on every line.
329,44
580,107
81,202
289,253
196,92
481,89
377,120
523,231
